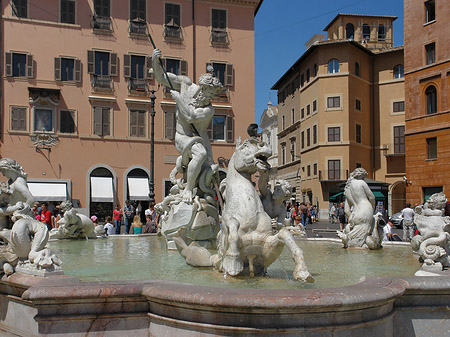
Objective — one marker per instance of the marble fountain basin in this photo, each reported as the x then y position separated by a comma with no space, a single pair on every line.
131,286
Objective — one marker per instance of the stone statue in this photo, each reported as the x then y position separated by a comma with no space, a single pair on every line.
245,241
23,245
73,225
192,201
433,242
275,202
359,208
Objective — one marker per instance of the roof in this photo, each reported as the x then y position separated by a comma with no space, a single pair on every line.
360,15
309,51
257,7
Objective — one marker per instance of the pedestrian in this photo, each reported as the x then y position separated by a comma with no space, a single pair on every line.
136,226
108,227
304,214
55,218
117,216
129,213
150,225
388,235
340,213
332,214
46,216
153,217
408,218
313,214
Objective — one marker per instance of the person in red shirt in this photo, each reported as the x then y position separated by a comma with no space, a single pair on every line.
46,216
117,216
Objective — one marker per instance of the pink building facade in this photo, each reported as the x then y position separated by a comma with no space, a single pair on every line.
76,84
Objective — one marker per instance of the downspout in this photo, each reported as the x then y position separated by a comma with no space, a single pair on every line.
194,41
372,129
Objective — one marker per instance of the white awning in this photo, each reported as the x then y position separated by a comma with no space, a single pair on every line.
48,191
102,189
138,188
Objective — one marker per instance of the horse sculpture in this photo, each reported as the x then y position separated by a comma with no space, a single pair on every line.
246,240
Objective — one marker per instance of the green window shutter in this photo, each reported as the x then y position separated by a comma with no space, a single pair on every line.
126,65
57,69
90,60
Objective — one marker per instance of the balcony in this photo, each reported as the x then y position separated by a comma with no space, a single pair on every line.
101,83
138,86
219,36
333,175
138,28
101,23
172,31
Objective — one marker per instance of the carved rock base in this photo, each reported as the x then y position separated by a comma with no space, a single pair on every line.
27,268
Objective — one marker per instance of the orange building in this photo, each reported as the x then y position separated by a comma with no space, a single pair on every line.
76,83
427,91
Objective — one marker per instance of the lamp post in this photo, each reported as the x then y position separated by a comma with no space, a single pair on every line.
151,182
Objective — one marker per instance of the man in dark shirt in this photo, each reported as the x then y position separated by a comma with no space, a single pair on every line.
46,216
129,212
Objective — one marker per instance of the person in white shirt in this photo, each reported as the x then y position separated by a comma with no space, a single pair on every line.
387,232
109,227
408,226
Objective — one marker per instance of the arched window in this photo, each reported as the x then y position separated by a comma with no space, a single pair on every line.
349,31
431,94
399,71
357,69
381,33
366,32
333,66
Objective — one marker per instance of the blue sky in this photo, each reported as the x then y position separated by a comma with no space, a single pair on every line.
282,28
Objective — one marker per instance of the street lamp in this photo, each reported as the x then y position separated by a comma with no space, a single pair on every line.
151,181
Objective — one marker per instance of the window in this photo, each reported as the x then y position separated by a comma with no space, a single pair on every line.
219,26
218,124
430,50
292,151
302,79
224,72
20,8
169,124
432,148
308,137
334,102
399,71
67,121
303,139
135,66
283,123
358,104
333,66
431,95
334,169
138,123
303,113
43,120
430,11
399,139
357,69
358,133
19,65
308,110
349,31
283,154
381,33
334,134
221,128
308,75
315,70
308,170
102,15
18,118
67,8
102,65
314,134
314,106
399,106
315,169
67,69
101,121
172,25
366,32
293,116
138,17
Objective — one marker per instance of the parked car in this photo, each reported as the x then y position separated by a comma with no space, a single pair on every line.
397,220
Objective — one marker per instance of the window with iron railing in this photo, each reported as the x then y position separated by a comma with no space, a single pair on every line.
219,34
334,169
102,23
102,66
399,139
172,24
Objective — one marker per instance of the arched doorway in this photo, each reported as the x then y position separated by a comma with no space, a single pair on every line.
101,191
137,190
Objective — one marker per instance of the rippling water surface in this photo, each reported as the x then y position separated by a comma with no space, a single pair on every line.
146,258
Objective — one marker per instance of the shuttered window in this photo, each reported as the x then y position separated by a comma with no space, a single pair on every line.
101,121
172,16
223,71
138,10
334,134
19,65
399,106
334,102
18,118
358,133
67,8
169,125
138,125
102,63
399,139
334,169
102,8
19,8
219,19
67,121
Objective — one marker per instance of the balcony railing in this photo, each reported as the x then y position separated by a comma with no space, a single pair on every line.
333,175
138,86
101,23
172,32
219,36
101,83
138,27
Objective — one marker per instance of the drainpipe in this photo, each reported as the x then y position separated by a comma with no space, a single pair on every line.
372,116
194,40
